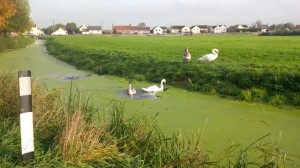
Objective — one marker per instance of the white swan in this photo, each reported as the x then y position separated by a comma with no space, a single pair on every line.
210,57
131,90
154,88
187,55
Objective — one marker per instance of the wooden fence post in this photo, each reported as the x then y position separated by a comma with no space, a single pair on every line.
26,115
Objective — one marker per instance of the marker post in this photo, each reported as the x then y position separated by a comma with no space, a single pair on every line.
26,115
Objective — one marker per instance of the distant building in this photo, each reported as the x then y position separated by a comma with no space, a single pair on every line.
218,29
35,31
238,28
180,29
159,30
195,30
95,30
203,28
130,29
82,28
60,31
297,28
262,28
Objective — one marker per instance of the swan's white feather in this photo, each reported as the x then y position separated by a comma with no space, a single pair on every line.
155,88
210,57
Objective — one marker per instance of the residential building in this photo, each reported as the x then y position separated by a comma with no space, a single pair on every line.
297,28
238,28
159,30
218,29
262,28
82,28
130,30
96,30
180,30
195,30
35,31
60,31
203,28
242,27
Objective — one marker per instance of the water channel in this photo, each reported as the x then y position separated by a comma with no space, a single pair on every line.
225,121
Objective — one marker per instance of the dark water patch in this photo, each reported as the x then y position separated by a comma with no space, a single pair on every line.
139,95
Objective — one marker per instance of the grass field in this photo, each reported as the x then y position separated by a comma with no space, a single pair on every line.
249,67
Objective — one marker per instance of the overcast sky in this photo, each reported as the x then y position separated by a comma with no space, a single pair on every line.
163,12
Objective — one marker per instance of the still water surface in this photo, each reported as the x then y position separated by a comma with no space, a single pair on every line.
227,121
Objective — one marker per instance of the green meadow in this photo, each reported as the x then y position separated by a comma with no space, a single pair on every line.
249,67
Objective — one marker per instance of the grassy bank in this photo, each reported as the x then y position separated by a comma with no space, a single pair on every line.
249,67
9,43
66,136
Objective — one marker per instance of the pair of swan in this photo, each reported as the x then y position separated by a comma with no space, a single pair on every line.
150,89
210,57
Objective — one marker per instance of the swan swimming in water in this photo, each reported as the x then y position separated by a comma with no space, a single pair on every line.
154,88
210,57
131,90
187,55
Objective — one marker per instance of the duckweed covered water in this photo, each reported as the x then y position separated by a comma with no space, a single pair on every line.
223,122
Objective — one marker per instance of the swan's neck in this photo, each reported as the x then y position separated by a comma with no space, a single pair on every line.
130,88
161,85
215,53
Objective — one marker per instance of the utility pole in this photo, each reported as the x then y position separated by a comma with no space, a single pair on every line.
53,26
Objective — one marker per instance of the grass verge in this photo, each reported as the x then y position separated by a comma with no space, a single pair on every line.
66,136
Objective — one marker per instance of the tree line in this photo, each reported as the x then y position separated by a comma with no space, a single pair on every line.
14,16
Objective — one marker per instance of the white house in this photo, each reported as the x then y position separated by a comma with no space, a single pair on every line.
96,30
180,30
264,28
82,28
203,28
195,30
159,30
60,31
219,29
241,27
35,31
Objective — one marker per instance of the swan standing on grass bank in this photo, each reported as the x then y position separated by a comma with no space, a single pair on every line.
154,88
131,90
210,57
187,55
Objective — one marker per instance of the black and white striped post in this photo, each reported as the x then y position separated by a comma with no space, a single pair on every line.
26,115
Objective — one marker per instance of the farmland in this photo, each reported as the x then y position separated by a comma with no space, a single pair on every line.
249,67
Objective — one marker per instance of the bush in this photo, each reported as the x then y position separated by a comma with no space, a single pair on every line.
7,42
277,100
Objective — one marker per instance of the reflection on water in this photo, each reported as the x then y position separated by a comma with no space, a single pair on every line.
67,77
74,76
139,95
